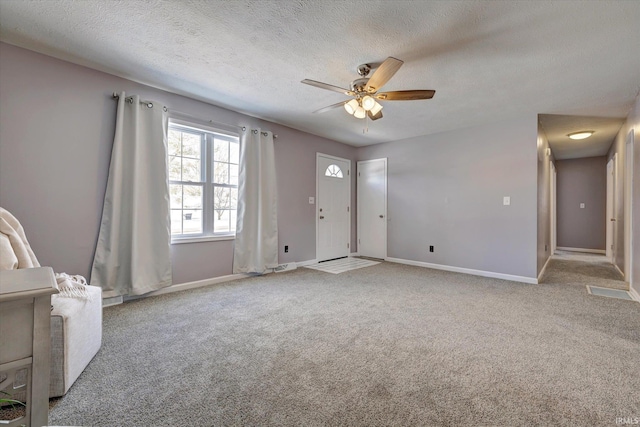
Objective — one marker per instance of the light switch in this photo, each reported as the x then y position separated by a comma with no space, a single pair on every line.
581,205
506,200
312,200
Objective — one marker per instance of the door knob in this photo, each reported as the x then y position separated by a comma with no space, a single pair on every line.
613,219
321,217
381,216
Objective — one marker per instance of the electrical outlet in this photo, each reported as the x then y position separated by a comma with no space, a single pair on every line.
286,248
430,248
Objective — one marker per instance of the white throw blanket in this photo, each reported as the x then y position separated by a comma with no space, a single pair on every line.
15,252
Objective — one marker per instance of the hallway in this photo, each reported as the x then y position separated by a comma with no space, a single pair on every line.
578,268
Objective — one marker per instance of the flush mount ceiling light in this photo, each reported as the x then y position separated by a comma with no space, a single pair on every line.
581,135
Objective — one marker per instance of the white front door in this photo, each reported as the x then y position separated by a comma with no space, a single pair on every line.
372,208
333,213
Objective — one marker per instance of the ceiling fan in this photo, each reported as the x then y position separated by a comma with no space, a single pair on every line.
364,91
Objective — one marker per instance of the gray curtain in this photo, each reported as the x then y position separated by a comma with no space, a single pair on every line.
256,244
133,250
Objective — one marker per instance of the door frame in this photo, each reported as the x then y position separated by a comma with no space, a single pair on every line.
316,213
611,208
385,213
628,208
553,201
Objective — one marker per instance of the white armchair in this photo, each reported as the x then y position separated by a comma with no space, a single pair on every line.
76,336
76,323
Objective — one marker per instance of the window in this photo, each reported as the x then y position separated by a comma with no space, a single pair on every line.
333,171
203,181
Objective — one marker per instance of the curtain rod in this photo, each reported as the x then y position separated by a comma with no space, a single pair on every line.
256,131
150,105
129,99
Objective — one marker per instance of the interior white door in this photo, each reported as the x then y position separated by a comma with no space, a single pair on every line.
372,208
333,214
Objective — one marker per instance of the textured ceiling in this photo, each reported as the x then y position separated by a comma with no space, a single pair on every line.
487,61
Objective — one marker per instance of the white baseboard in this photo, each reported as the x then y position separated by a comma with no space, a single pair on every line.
588,251
544,268
284,267
189,285
109,301
620,271
635,295
522,279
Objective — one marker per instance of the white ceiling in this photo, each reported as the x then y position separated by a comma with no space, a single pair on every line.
487,61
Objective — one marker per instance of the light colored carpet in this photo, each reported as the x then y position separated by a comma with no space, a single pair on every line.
341,265
384,345
586,269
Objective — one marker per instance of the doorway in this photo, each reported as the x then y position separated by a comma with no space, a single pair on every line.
372,208
333,214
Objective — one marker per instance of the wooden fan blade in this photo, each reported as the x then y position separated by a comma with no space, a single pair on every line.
328,87
385,71
331,107
405,95
376,117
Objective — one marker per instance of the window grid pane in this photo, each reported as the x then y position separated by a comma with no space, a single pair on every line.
176,221
234,152
187,151
192,221
333,171
220,173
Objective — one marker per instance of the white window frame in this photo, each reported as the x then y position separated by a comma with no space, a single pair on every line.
207,184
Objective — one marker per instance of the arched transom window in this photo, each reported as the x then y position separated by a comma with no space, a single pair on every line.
334,171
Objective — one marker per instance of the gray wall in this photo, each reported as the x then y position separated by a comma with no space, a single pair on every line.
447,190
544,200
632,124
56,131
582,181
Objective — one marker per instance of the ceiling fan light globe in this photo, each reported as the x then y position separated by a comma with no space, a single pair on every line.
360,113
351,106
376,108
368,103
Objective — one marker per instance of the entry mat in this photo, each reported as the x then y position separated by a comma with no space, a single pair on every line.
341,265
611,293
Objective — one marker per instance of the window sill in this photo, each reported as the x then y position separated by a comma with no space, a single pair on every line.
181,240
